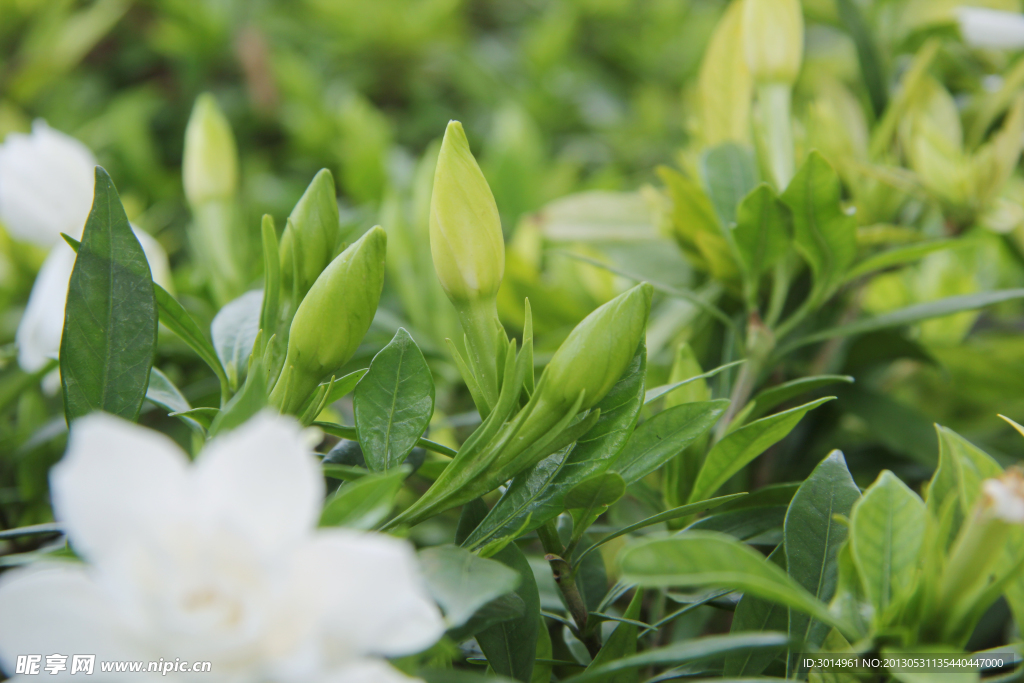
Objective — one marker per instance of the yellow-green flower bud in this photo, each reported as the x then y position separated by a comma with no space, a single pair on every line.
597,351
332,320
210,162
773,39
311,234
465,230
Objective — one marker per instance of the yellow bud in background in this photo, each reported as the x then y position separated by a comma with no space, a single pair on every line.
773,39
210,159
465,231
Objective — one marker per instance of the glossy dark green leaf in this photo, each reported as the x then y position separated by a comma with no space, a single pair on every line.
393,403
729,173
503,608
741,446
540,491
762,231
746,523
822,232
665,435
234,331
177,320
461,582
110,318
779,394
813,538
511,645
621,643
701,558
365,503
343,385
695,650
755,614
886,535
591,498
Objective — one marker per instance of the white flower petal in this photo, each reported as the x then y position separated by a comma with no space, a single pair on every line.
989,28
54,608
369,671
374,596
39,332
263,480
1005,496
117,484
46,184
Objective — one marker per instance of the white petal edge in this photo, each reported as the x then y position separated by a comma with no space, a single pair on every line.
40,328
993,29
263,480
117,484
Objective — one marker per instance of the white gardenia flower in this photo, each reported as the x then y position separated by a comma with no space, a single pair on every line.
218,560
46,181
1004,497
990,28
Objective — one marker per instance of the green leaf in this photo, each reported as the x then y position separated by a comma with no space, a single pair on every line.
456,676
393,403
741,446
539,492
365,503
162,392
813,538
695,650
511,645
591,498
110,317
746,523
343,385
901,427
729,173
901,256
234,331
754,614
823,234
886,532
704,558
461,582
910,315
869,57
674,513
962,468
350,433
665,435
177,320
203,416
657,392
245,404
271,277
621,643
770,398
762,231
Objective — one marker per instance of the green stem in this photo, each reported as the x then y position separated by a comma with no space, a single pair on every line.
777,131
565,579
479,319
760,344
780,290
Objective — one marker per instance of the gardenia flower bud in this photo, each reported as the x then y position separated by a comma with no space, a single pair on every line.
311,233
989,28
215,561
332,320
46,181
773,39
597,351
465,231
210,161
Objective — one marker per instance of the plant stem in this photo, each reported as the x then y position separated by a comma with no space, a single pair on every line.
760,344
478,318
565,579
777,131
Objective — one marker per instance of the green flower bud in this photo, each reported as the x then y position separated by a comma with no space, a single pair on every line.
311,234
332,320
210,162
773,39
465,230
597,352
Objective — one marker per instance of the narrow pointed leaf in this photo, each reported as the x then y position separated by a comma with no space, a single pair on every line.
234,331
365,503
665,435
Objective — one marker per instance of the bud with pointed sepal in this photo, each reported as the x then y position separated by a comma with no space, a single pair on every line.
332,319
210,160
468,250
310,235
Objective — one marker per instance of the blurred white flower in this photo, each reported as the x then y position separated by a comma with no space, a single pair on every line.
46,181
1004,497
42,324
990,28
214,561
